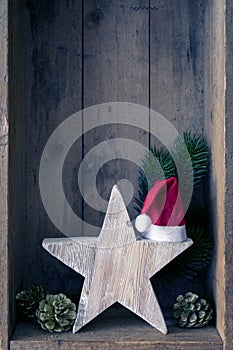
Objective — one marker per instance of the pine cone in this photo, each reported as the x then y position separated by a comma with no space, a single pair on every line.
56,313
191,311
28,301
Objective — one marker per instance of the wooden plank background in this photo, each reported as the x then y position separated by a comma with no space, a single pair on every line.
53,92
228,84
16,161
82,53
116,68
176,62
4,185
79,53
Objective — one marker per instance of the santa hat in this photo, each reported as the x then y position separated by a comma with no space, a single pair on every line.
162,215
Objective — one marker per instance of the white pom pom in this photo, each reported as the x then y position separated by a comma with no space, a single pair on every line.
143,223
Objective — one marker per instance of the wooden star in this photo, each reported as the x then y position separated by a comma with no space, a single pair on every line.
116,266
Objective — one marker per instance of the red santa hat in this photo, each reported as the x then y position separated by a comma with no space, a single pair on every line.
162,215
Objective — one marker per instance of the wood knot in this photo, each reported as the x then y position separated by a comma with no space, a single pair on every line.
94,18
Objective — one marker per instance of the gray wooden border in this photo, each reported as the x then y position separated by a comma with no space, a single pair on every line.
228,321
227,280
4,147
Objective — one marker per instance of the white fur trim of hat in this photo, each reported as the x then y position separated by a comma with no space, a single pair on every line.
159,233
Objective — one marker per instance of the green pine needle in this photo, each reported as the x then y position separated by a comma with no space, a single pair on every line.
191,261
159,164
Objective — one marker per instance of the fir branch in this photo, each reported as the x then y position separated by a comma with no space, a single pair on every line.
191,261
159,164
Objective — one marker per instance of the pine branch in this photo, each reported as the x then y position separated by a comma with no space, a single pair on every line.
190,262
159,164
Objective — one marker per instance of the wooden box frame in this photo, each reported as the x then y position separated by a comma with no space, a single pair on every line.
219,130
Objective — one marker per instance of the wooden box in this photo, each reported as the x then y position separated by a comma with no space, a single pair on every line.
58,57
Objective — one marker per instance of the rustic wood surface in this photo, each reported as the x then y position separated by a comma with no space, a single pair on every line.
116,328
226,25
76,60
218,126
115,68
116,266
176,62
53,91
53,72
4,149
16,164
76,56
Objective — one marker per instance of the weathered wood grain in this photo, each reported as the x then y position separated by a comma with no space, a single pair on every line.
4,150
74,60
228,84
218,130
176,78
115,68
52,78
16,159
176,62
53,91
116,267
117,328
